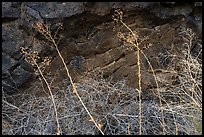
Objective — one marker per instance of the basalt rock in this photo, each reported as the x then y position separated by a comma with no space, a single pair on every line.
88,39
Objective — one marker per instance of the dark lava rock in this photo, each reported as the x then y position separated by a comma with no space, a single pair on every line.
87,40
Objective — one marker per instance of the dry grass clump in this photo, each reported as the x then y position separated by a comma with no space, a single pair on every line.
113,106
185,97
36,115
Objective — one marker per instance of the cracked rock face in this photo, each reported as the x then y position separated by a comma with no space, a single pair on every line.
89,39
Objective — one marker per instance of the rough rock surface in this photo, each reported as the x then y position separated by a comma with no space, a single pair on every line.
89,42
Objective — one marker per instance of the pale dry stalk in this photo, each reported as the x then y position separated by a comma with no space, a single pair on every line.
74,88
49,89
136,44
139,76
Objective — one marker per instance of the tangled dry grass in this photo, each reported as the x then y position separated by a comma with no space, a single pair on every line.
113,106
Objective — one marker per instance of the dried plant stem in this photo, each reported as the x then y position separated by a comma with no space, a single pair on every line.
45,31
92,119
158,92
139,74
73,85
139,87
139,77
128,128
52,97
